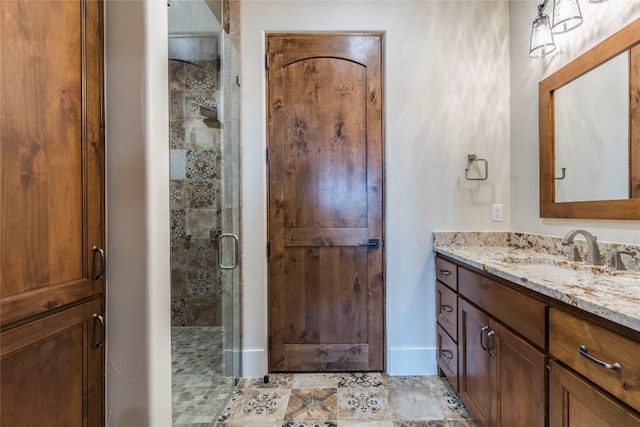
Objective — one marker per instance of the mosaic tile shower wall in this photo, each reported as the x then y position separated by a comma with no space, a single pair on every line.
196,150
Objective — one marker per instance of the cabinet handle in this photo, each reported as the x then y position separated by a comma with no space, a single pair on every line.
583,352
100,319
447,354
445,272
490,336
482,331
103,265
447,308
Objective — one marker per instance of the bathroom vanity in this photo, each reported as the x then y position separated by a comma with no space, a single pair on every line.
529,338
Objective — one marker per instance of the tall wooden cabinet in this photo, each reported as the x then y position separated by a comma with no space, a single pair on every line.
52,283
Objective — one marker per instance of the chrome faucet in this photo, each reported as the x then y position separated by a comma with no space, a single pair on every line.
616,259
593,256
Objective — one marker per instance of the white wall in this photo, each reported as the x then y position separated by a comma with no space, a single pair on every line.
600,21
446,95
191,17
138,314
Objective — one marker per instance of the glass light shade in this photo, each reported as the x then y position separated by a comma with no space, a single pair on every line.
566,16
597,1
541,37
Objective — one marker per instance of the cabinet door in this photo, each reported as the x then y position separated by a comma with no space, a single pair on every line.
48,368
51,155
576,403
519,380
475,362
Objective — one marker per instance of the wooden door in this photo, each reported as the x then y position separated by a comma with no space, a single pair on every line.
474,374
519,380
573,402
326,290
51,212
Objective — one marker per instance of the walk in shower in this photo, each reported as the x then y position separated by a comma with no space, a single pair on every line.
205,218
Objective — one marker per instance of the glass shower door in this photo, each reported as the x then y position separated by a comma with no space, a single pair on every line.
205,226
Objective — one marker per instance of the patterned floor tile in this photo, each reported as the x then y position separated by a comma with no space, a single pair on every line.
363,404
385,423
261,406
316,380
274,381
340,400
310,424
408,403
365,379
312,405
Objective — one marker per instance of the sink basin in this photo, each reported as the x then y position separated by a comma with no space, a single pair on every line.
554,267
550,271
545,266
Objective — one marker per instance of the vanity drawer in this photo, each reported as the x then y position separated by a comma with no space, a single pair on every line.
447,309
520,312
448,356
447,273
567,334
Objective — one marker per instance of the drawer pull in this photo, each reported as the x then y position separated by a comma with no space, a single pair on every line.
490,336
583,352
447,308
482,331
447,354
445,272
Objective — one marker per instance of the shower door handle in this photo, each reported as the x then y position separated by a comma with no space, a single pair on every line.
234,260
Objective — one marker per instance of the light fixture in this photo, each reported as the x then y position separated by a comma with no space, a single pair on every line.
541,37
566,16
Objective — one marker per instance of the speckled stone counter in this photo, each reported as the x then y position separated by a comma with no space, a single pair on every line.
540,263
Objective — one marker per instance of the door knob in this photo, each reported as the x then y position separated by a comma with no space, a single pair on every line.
372,243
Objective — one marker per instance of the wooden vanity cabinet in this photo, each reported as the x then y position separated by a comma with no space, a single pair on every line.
574,402
447,320
523,359
600,376
501,376
501,335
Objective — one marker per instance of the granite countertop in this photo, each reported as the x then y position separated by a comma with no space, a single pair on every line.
538,263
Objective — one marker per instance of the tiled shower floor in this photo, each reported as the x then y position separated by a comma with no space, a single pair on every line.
199,389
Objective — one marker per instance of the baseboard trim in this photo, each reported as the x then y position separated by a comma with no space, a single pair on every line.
254,363
400,361
412,361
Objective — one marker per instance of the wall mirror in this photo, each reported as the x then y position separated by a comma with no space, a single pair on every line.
590,133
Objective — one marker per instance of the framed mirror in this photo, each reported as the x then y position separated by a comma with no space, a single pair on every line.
590,133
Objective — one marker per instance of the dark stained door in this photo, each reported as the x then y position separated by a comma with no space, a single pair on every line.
326,286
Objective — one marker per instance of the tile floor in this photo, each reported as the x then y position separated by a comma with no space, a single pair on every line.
199,388
344,400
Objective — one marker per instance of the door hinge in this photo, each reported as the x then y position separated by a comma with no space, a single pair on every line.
266,61
268,250
269,343
267,155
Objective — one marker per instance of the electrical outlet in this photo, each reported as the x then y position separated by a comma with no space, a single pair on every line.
496,212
